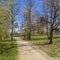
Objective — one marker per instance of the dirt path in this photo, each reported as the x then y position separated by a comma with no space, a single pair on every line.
27,52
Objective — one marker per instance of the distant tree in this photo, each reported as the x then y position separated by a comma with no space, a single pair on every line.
27,13
16,26
14,12
40,22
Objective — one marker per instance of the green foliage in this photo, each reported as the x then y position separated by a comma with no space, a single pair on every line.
6,50
4,17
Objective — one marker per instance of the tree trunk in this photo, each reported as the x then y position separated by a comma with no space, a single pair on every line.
29,36
6,36
12,29
51,36
47,33
11,37
0,38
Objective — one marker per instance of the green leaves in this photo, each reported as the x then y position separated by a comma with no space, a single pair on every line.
4,18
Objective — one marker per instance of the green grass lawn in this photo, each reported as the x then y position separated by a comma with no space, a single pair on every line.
16,35
8,50
41,42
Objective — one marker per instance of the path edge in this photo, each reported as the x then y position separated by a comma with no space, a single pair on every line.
40,51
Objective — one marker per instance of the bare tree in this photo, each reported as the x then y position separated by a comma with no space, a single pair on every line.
52,7
28,17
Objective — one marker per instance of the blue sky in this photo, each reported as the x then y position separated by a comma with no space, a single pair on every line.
19,16
21,3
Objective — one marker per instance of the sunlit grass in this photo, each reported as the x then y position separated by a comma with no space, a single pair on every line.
8,50
52,50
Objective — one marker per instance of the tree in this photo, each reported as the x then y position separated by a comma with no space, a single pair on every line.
52,7
14,12
27,13
40,24
16,26
4,18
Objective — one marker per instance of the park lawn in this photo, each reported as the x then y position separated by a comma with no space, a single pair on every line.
16,35
41,42
8,50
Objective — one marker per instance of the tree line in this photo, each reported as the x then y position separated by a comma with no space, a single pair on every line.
49,20
8,11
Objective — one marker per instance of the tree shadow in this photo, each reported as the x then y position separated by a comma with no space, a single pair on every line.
10,39
38,44
56,37
6,47
39,38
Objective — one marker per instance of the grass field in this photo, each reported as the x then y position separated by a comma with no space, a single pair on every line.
41,42
8,50
16,35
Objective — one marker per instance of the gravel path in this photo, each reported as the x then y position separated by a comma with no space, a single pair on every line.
27,52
